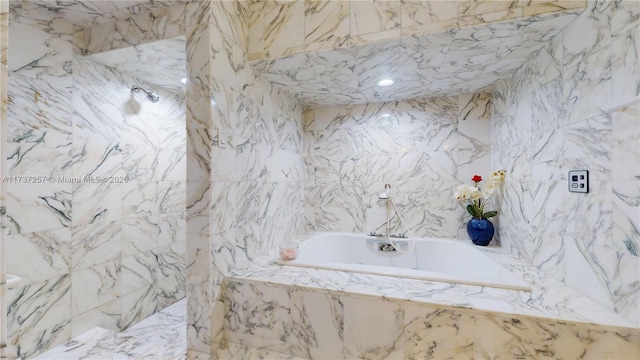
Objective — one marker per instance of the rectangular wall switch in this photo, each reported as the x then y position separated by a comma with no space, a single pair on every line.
579,181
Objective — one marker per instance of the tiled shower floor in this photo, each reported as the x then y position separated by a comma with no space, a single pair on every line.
161,336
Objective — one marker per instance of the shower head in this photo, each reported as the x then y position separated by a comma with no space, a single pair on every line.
151,95
385,195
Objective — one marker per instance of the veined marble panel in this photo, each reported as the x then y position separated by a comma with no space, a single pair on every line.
138,305
314,334
450,333
625,143
422,147
95,244
362,336
146,60
326,22
133,27
624,40
626,217
374,16
575,132
49,254
510,337
431,319
281,24
37,207
259,318
139,271
95,286
426,12
171,197
38,306
36,342
39,124
97,202
106,316
198,174
94,158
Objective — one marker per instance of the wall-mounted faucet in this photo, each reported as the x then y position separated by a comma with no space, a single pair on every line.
398,236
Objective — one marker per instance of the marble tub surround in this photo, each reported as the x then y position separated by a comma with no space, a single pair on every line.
339,70
424,148
552,321
548,299
558,99
101,253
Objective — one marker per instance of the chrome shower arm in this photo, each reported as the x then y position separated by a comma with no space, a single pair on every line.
151,95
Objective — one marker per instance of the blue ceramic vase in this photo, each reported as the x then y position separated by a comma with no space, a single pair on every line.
480,231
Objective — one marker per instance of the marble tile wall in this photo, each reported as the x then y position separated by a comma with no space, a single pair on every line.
292,320
274,26
4,27
38,143
424,148
244,163
135,29
96,190
550,118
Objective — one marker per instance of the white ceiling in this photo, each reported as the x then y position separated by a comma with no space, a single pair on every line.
458,61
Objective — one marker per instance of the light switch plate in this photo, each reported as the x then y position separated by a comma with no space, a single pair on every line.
579,181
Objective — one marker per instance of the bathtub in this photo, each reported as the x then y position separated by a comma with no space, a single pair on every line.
441,260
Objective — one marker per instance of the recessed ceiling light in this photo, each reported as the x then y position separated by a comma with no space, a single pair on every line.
385,82
183,80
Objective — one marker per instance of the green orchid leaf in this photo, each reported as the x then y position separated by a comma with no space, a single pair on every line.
489,214
470,210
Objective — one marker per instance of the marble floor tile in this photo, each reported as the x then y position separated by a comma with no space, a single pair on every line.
160,336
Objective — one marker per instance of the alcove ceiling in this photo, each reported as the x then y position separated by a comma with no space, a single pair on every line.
466,60
470,59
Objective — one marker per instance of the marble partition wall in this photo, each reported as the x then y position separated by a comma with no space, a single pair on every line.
274,26
4,27
38,143
551,117
424,148
96,190
319,316
245,194
139,222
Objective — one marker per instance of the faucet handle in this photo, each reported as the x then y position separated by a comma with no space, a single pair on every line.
373,233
